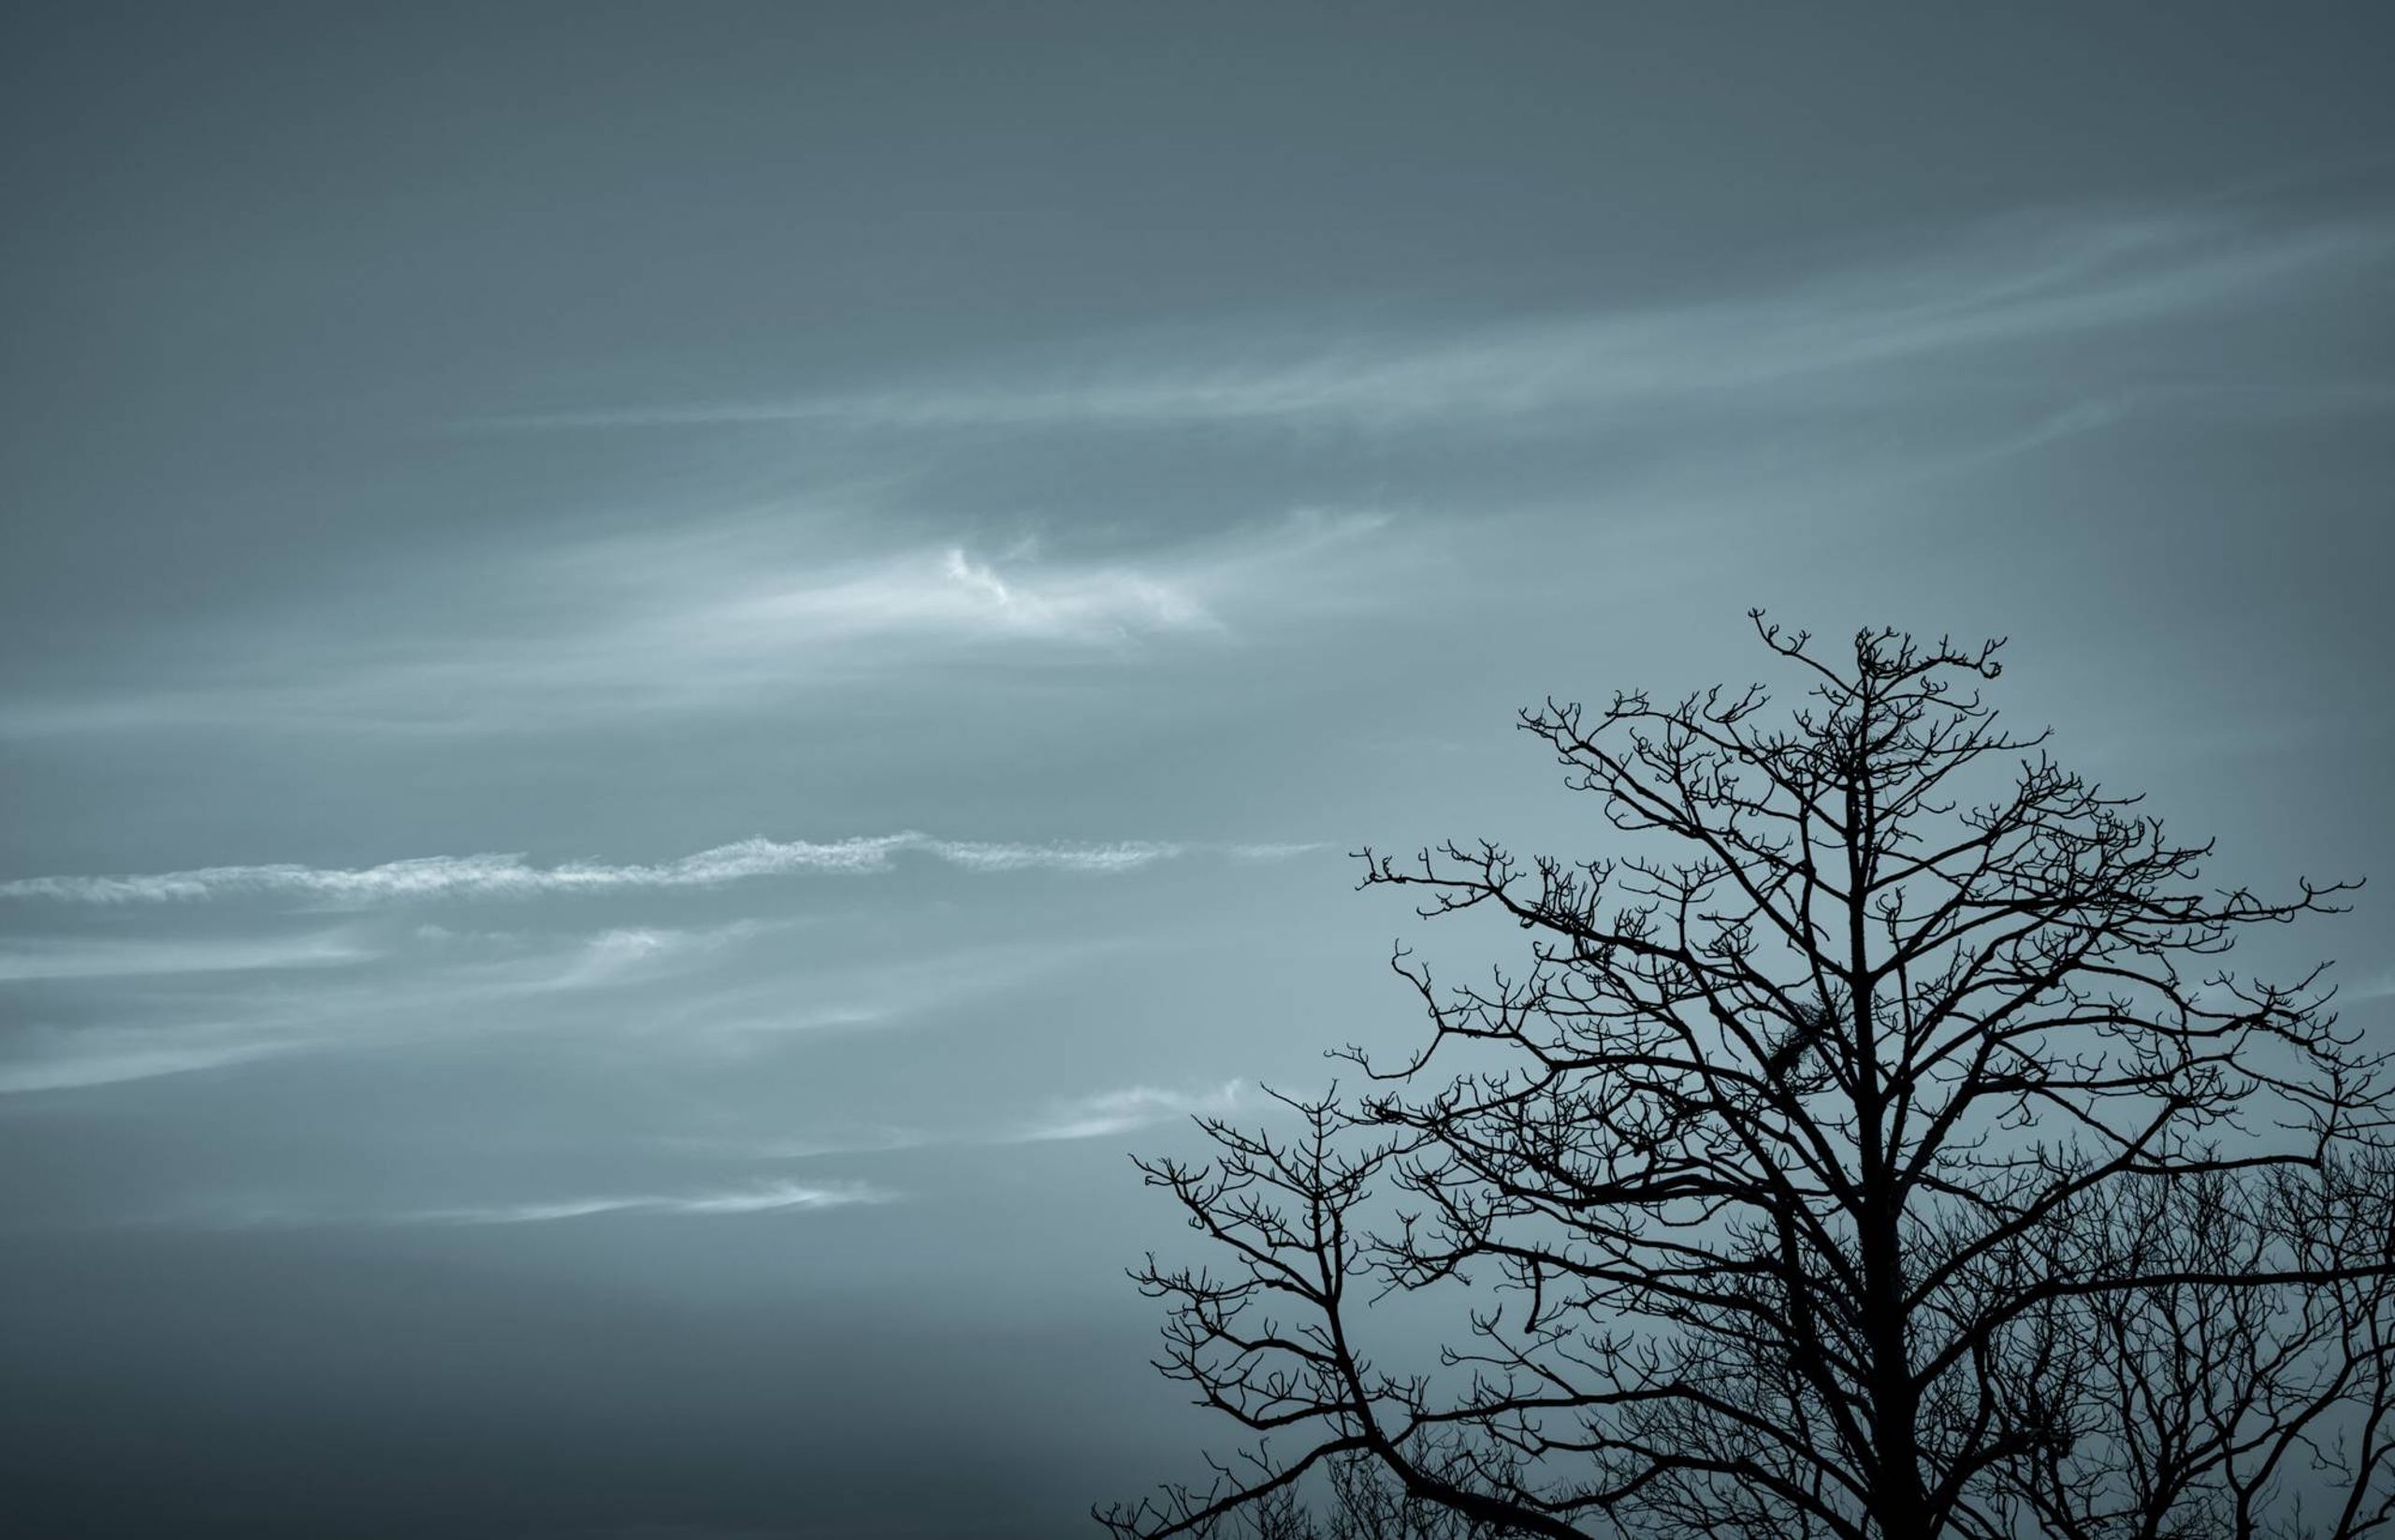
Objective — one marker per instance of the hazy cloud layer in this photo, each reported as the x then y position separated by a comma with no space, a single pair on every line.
2028,332
2010,287
706,998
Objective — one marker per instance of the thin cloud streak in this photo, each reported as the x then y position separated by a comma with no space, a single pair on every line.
2021,284
510,876
1108,1112
78,957
762,1198
114,1067
775,1198
1096,1115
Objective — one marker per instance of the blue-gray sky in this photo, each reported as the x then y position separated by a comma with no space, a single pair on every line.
665,671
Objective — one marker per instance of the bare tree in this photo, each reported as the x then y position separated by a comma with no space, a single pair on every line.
1873,1147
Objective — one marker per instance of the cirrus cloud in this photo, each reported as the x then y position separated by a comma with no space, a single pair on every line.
511,876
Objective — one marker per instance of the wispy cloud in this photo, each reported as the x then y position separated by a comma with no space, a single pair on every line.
1097,1114
512,876
1266,853
698,999
771,1197
2022,283
113,1058
31,958
955,593
1104,1113
758,1199
716,610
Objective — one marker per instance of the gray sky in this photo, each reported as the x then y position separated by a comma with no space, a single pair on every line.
665,671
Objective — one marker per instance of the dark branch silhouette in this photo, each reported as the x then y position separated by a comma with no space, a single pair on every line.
1873,1148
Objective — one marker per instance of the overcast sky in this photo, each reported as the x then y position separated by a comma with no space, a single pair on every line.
665,671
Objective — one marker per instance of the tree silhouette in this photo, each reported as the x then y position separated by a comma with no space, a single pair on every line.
1873,1147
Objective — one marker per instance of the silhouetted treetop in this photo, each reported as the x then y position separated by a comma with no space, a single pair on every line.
1874,1142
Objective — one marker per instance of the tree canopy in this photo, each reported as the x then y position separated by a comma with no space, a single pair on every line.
1875,1143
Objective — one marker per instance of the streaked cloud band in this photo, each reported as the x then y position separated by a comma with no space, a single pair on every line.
510,876
2016,282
